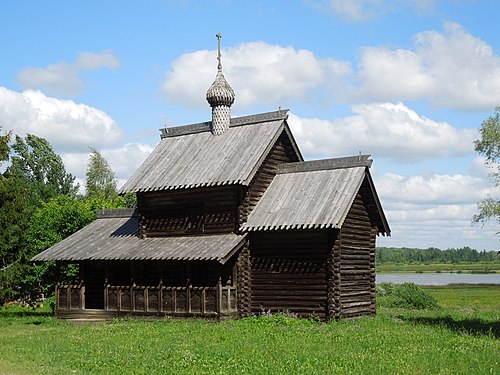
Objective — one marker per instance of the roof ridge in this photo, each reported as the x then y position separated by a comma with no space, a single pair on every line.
116,213
176,131
326,164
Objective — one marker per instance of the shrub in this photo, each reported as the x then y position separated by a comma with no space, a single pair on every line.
407,295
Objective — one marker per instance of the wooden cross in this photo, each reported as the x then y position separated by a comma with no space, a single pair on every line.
219,65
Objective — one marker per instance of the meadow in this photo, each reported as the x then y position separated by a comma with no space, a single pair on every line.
459,337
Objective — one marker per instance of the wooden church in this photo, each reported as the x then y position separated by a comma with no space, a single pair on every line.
230,221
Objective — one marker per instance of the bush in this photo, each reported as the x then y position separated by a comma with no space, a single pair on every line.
407,295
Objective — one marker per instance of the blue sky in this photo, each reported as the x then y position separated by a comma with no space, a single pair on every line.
408,82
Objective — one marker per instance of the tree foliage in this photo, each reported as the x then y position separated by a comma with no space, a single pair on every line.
489,146
39,207
433,255
36,161
101,181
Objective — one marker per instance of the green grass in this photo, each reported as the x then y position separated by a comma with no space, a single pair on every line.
439,267
462,337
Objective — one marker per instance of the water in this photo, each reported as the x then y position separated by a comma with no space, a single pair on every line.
440,278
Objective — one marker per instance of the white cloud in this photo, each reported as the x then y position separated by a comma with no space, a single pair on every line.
64,123
257,71
434,210
64,78
452,69
433,189
362,10
386,130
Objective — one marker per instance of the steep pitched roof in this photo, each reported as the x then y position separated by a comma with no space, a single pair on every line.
115,237
312,195
190,156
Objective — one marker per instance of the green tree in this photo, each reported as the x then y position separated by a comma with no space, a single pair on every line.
55,220
489,146
36,161
101,181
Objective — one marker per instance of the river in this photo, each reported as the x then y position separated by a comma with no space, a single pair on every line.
442,278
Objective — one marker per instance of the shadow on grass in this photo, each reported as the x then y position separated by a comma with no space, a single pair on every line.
468,326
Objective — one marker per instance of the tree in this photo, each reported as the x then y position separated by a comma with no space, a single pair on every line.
101,181
36,161
489,146
4,146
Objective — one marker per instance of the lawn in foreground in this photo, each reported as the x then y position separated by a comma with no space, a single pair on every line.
447,341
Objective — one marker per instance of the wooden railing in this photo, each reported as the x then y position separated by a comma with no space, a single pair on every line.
188,300
161,299
70,297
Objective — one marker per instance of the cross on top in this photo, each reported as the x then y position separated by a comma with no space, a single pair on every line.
219,37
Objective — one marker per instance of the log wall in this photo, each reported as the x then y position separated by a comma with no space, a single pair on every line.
289,272
244,281
188,211
355,249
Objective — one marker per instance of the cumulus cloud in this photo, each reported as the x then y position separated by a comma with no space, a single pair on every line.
453,69
63,78
257,71
65,124
387,130
433,189
434,210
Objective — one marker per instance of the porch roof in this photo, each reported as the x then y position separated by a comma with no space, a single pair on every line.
116,238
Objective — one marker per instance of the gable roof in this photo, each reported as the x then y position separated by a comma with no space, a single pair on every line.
191,156
311,195
115,237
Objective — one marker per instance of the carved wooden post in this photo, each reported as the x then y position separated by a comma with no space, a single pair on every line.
82,295
57,296
219,296
106,294
160,296
132,296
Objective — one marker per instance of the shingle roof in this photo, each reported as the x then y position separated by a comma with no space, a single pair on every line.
115,238
190,156
309,195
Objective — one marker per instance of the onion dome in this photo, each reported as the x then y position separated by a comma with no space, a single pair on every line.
220,96
220,93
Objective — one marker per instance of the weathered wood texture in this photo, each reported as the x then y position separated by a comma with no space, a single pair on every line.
357,256
289,272
281,152
244,281
188,211
147,275
158,300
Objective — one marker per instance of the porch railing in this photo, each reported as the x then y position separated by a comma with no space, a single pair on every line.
170,300
70,297
161,299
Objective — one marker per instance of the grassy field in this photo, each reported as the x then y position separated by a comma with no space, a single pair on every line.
462,337
439,267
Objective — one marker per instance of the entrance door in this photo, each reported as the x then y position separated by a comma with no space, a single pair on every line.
94,285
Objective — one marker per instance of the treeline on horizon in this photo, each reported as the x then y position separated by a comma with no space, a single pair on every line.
434,255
